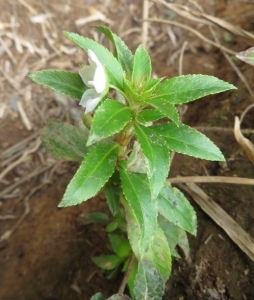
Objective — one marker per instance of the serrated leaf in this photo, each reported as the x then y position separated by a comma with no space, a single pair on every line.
149,115
94,172
166,108
186,140
66,83
176,208
110,118
186,88
156,155
107,59
175,236
112,197
141,210
247,56
129,89
142,67
120,245
159,254
136,160
123,53
149,284
107,262
64,141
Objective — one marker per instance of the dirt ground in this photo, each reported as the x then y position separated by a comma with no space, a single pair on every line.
45,252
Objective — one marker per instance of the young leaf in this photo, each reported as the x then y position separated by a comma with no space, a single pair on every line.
247,56
113,67
166,108
97,296
175,236
111,197
94,172
119,297
110,118
64,141
149,115
142,67
120,245
64,82
176,208
156,155
186,88
141,209
159,254
107,262
136,161
149,284
97,217
186,140
123,53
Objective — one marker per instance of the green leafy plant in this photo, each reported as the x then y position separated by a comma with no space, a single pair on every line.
124,147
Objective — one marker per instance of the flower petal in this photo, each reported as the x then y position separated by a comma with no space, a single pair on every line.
91,104
90,100
100,79
87,74
93,60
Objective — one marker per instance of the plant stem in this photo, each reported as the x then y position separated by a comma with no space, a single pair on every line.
126,275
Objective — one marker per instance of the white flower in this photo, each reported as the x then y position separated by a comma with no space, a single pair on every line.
94,77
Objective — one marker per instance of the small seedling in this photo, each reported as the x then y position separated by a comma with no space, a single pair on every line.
124,148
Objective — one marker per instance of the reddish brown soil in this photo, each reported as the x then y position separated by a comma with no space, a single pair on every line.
49,254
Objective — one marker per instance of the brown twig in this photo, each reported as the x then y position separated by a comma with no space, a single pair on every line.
238,235
212,179
126,275
145,24
197,33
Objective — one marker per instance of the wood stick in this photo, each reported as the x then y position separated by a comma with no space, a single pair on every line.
237,234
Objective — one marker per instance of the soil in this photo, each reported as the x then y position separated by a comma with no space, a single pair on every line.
45,252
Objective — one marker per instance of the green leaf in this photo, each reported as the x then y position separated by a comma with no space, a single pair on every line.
136,160
94,172
149,284
142,67
159,254
186,140
107,262
149,115
124,55
66,83
176,208
97,217
156,155
97,296
175,236
107,59
141,210
186,88
130,90
131,278
120,245
112,197
112,226
110,118
64,141
247,56
166,108
119,297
